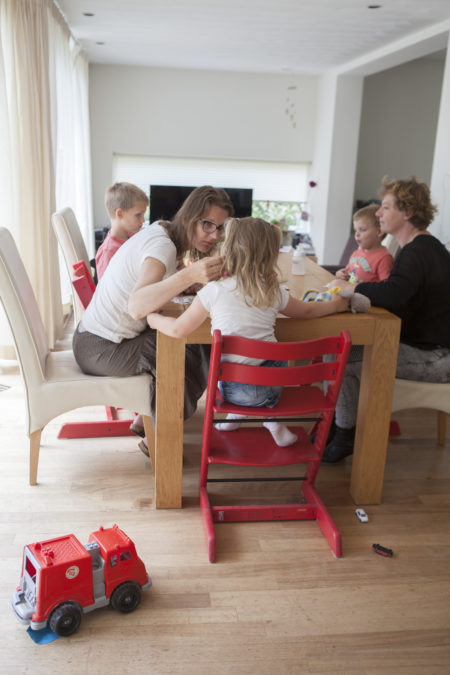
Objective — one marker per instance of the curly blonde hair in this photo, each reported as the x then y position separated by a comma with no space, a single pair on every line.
413,197
250,252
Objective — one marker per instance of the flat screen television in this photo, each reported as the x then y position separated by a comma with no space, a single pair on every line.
165,200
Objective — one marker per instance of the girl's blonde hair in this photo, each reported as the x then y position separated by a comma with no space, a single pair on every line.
250,253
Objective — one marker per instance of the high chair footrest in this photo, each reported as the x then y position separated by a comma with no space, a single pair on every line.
256,447
99,429
227,514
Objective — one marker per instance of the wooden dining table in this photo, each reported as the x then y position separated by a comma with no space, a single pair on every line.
377,330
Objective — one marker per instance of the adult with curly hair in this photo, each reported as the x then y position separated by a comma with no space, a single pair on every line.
417,291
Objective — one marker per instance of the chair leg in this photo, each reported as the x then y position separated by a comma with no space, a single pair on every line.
35,445
208,524
324,520
441,425
150,436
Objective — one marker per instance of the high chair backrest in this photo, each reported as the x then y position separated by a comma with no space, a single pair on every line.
83,283
307,373
313,369
22,311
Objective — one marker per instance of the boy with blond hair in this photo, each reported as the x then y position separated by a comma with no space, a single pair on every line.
371,261
126,205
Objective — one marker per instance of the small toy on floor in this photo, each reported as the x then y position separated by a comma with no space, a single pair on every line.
362,515
382,550
61,579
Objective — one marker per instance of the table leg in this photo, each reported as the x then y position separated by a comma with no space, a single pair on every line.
170,359
374,412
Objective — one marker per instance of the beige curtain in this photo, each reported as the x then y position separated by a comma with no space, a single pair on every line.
44,144
70,108
25,37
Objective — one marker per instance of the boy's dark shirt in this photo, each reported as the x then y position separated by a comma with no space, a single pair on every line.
417,291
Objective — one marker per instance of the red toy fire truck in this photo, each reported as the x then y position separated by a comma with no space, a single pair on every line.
62,579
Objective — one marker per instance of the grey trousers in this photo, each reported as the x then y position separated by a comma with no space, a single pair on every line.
412,364
97,356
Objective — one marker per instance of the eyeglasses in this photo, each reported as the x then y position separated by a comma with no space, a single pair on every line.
209,227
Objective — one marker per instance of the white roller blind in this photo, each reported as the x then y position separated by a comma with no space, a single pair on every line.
270,181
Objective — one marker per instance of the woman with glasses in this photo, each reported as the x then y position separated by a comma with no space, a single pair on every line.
113,337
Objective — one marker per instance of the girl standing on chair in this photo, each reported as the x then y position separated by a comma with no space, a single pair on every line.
245,302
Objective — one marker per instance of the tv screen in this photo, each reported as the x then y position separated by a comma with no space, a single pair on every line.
165,200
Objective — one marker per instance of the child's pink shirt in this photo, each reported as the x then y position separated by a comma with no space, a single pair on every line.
370,265
105,252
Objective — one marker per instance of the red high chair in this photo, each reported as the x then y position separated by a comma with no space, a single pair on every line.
84,285
302,395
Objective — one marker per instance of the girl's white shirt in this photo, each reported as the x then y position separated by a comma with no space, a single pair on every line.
231,314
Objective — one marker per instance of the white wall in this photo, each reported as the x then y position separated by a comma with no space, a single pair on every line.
440,178
399,119
335,164
168,112
336,149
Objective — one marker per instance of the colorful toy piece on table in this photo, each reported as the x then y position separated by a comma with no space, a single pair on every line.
358,303
320,296
61,579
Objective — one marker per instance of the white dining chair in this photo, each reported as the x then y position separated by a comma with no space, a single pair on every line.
54,383
391,244
70,239
435,395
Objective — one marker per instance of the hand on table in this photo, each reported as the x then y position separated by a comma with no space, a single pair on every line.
342,274
343,285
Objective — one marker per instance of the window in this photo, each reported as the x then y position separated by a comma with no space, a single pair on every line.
279,188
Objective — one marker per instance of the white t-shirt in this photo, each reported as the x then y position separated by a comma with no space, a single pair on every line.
232,316
107,314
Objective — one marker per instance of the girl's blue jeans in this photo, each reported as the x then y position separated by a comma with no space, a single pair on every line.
253,395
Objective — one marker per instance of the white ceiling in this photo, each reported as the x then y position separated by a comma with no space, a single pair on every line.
269,36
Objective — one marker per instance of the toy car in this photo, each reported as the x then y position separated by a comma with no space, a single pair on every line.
61,579
382,550
362,515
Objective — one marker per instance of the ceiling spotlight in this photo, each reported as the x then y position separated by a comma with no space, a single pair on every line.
374,6
88,14
99,43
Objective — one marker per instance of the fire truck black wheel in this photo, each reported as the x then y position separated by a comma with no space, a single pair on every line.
65,619
126,597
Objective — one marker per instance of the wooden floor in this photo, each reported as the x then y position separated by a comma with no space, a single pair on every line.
277,601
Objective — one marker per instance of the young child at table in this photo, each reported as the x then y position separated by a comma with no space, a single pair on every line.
126,205
246,302
371,261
